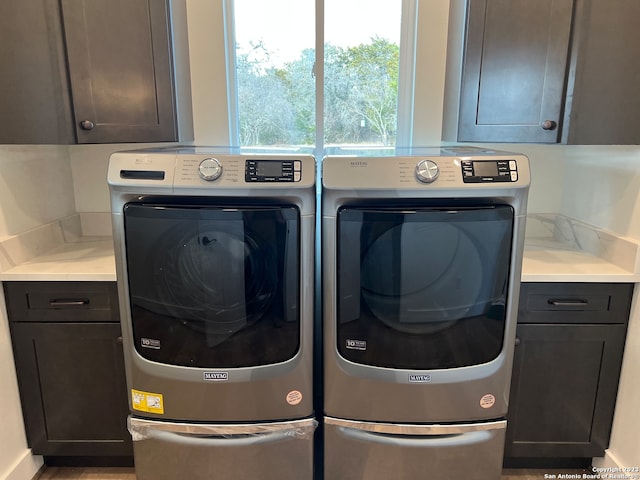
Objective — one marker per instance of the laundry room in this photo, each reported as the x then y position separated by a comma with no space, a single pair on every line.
576,338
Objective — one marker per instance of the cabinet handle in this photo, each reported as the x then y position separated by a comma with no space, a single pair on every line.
549,125
67,302
568,303
119,340
87,125
517,341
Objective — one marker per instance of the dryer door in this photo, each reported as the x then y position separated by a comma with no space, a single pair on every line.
422,288
213,286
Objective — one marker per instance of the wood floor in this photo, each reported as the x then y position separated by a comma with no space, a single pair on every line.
119,473
87,473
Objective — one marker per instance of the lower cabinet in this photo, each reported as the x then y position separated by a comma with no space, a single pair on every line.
568,355
70,367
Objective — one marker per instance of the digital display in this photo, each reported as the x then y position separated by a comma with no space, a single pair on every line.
269,169
485,169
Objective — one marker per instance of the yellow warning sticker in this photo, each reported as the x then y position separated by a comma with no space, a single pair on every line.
147,402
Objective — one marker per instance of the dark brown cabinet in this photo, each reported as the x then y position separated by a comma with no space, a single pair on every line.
568,355
87,71
70,367
547,71
604,106
35,105
514,70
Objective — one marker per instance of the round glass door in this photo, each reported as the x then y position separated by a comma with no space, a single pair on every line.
422,288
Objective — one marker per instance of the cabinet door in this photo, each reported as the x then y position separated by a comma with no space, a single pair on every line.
605,105
514,70
73,388
35,101
563,390
119,56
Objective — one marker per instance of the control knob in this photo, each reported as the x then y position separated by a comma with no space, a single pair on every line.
209,169
427,171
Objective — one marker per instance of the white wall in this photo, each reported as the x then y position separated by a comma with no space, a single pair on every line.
36,187
602,187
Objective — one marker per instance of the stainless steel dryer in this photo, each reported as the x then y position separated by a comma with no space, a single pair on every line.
421,264
215,264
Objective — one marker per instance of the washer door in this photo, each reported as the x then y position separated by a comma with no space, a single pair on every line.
213,286
422,288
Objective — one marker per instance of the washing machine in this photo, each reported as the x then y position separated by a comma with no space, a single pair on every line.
215,264
421,258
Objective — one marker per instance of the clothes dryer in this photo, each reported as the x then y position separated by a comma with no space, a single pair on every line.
422,257
215,264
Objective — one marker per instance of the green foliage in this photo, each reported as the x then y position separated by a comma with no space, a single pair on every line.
277,105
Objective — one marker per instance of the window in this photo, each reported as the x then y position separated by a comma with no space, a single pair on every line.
288,93
274,59
361,67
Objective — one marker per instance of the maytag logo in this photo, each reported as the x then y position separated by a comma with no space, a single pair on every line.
420,378
358,163
216,376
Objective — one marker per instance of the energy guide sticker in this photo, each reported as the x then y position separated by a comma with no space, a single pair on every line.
147,402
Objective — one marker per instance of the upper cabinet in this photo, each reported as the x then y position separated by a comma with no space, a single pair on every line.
605,108
546,71
35,106
92,71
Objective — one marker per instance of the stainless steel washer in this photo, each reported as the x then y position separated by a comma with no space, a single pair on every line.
215,264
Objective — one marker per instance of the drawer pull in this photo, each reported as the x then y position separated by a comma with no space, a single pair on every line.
568,303
68,302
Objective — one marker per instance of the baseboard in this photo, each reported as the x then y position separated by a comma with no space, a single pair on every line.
608,461
25,468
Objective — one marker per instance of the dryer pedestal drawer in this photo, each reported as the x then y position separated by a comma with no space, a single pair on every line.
363,453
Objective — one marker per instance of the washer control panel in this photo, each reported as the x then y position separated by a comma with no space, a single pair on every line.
478,171
272,171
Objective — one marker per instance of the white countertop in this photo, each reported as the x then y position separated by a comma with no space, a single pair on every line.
548,265
89,259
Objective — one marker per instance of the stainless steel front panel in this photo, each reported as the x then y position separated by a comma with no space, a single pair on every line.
272,451
374,451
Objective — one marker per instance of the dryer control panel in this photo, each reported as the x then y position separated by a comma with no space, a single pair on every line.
477,171
426,173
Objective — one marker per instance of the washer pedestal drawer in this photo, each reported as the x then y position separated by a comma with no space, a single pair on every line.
268,451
